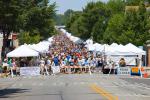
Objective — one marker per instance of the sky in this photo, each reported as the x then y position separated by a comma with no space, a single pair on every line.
77,5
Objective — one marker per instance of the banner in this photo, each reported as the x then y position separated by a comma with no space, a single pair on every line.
123,71
30,71
130,60
55,69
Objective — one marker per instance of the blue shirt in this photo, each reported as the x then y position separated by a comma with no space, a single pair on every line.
56,61
68,57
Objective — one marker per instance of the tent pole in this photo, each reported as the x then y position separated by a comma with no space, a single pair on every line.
145,60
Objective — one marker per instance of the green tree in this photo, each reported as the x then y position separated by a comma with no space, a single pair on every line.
114,29
116,6
28,15
108,23
25,37
9,12
59,19
62,19
77,27
138,24
133,2
98,30
71,18
39,19
94,15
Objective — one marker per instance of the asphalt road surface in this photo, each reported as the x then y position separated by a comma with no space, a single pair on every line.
74,87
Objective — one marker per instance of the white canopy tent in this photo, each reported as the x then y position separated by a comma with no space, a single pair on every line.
130,52
71,37
50,39
90,47
68,34
115,49
23,51
36,48
89,41
63,30
135,49
111,50
97,47
41,46
75,39
114,52
44,44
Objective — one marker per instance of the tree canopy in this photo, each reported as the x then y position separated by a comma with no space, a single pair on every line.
34,17
110,22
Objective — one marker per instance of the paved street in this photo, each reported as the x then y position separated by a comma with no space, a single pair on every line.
74,87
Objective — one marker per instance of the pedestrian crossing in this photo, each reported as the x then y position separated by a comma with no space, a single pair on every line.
18,85
59,83
130,89
134,85
53,84
132,95
102,82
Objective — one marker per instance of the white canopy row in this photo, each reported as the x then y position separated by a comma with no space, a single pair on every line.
23,51
31,50
41,47
115,49
71,37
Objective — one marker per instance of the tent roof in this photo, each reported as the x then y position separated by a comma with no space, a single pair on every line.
115,49
89,41
41,47
114,45
22,51
50,39
135,49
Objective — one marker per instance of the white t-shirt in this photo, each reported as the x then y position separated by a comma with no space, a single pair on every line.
48,62
5,64
83,61
42,62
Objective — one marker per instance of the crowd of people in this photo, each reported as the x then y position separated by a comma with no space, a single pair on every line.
64,56
9,66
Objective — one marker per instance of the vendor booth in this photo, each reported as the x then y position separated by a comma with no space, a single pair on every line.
113,53
23,52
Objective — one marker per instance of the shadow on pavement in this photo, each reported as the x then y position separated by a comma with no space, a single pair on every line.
6,93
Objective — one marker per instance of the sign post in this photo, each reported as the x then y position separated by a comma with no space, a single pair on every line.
140,64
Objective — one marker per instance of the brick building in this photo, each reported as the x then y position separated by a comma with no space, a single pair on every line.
148,53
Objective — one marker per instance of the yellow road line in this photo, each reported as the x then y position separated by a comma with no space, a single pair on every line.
103,92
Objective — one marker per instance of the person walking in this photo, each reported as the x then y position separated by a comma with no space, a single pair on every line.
42,66
55,65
